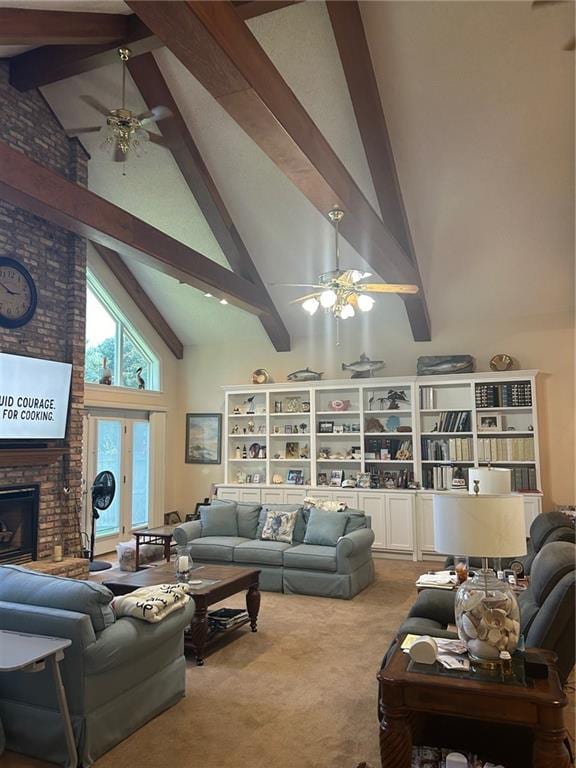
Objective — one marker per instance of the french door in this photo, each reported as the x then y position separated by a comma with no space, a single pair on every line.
120,445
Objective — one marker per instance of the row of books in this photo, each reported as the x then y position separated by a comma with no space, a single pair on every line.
506,449
447,449
454,421
226,618
380,446
524,479
435,757
441,478
516,395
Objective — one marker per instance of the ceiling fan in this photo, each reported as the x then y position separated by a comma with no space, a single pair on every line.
341,291
570,45
124,132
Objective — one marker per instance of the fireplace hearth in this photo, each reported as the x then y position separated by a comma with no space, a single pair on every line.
18,523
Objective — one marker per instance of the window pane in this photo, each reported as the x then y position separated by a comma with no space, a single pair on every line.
108,456
132,360
140,472
100,338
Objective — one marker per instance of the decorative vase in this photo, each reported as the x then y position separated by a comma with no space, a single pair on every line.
487,617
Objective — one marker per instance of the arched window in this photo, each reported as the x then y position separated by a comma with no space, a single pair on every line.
110,335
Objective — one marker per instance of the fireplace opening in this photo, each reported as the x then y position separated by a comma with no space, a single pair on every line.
18,523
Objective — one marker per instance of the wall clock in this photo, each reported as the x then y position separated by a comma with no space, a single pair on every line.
18,297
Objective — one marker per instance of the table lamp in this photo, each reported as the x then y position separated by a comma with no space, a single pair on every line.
484,525
489,480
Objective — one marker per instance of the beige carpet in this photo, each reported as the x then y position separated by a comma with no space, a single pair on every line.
301,693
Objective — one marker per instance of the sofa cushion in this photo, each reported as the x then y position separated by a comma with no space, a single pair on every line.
219,520
310,558
354,521
324,528
261,552
300,527
20,585
248,516
219,548
279,526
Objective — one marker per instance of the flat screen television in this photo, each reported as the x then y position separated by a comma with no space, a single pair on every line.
34,396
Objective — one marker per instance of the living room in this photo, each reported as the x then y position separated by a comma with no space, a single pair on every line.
192,327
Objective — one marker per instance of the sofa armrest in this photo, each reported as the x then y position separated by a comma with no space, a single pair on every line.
435,604
353,549
186,532
130,639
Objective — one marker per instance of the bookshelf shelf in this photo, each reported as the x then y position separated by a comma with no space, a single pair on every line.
443,413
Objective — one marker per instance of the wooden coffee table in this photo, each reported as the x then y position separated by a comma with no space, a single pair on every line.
222,581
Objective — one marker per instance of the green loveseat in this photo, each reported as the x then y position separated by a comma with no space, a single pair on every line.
118,673
229,533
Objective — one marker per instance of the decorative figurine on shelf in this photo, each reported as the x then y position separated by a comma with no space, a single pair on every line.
303,427
251,426
105,374
363,368
374,425
262,452
394,396
261,429
249,403
236,411
141,382
244,452
235,429
305,452
304,374
238,453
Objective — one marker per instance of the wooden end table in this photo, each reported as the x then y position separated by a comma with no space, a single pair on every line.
407,698
222,581
162,535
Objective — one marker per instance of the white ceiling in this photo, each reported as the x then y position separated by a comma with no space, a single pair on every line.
479,100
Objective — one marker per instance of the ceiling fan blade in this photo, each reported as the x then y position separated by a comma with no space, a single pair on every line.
296,285
78,131
387,288
570,45
308,296
155,138
95,104
154,115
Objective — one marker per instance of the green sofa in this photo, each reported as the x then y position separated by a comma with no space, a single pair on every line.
118,673
229,533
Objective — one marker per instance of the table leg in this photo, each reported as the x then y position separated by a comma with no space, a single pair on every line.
137,551
167,549
199,633
395,739
253,605
550,749
63,705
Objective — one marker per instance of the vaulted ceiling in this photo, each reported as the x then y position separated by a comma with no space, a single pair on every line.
479,102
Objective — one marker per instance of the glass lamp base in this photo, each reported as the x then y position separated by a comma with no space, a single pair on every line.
487,618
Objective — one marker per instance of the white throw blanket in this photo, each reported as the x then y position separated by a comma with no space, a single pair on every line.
152,603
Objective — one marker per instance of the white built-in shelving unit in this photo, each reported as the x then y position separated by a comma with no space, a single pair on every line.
277,448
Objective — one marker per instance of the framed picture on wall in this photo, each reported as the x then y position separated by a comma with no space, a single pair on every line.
203,438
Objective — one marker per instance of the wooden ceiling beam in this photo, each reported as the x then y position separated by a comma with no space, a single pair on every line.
248,9
50,63
359,72
139,296
29,185
20,26
219,50
150,82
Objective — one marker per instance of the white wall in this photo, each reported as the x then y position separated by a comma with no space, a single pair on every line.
541,342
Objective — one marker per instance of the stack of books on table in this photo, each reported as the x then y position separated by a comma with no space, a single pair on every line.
434,757
226,618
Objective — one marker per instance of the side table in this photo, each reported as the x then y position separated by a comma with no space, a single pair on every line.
161,535
408,698
30,653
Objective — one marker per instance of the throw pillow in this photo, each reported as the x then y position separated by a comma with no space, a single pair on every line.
279,526
219,520
264,514
324,528
248,516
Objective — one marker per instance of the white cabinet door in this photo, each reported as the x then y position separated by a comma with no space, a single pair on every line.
400,522
272,496
229,494
294,496
250,495
425,518
374,505
532,506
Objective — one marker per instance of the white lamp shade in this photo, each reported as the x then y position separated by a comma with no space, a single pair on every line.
490,480
479,526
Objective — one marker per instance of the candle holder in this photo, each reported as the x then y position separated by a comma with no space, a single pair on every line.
183,564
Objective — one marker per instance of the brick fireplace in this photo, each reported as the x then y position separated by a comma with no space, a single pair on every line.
56,260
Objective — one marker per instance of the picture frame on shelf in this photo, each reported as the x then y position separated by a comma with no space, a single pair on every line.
172,518
295,477
489,422
322,478
292,451
363,480
336,478
338,429
256,478
326,427
241,478
288,429
248,479
203,438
